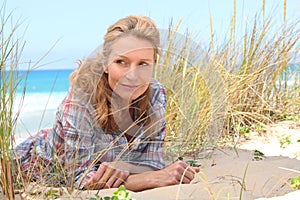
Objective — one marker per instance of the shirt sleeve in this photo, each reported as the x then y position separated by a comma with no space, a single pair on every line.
150,152
72,140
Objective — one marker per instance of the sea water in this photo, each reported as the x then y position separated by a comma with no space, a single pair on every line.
44,91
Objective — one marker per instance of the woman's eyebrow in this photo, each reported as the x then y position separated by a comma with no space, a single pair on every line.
120,56
147,59
125,57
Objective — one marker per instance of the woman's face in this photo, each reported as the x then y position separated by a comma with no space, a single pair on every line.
130,67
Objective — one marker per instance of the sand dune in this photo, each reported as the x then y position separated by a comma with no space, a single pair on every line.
228,173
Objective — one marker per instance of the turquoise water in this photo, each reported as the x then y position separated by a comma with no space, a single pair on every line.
45,89
45,81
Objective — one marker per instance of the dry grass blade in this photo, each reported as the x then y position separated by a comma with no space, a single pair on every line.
254,74
10,54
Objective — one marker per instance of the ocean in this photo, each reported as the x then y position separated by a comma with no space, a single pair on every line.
45,89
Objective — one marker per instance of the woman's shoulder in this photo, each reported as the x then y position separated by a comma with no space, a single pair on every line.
156,84
158,93
74,102
77,111
77,97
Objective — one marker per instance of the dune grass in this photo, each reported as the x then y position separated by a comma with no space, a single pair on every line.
11,48
232,87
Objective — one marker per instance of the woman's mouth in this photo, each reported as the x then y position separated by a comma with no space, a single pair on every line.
130,86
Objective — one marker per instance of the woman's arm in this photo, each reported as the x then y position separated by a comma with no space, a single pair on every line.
112,175
178,172
133,169
72,140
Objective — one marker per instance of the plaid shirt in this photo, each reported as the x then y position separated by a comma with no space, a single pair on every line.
76,144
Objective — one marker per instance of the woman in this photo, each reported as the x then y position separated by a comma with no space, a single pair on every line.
110,128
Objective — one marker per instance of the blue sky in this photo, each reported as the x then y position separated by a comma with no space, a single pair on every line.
76,28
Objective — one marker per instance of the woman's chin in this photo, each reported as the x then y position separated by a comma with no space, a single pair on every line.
129,96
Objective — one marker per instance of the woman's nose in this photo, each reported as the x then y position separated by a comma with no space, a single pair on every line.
132,73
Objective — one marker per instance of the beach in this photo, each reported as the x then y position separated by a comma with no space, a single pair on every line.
230,76
226,172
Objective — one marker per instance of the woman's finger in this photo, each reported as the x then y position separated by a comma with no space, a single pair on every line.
118,182
121,178
97,181
93,181
188,174
184,180
101,170
102,182
99,185
106,176
110,182
196,169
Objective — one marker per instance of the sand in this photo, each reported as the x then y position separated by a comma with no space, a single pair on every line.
222,178
222,173
231,173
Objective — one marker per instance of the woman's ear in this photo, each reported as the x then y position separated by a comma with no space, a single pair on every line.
105,69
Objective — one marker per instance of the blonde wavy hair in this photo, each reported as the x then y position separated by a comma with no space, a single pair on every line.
90,81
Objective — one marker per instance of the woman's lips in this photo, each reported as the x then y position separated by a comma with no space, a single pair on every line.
129,86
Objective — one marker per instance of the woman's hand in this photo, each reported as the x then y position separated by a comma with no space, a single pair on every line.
107,177
176,173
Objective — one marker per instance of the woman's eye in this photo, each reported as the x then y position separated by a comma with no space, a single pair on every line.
120,62
143,64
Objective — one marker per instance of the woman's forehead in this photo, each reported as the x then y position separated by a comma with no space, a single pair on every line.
130,44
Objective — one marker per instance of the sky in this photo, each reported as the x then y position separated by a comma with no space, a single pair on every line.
62,32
